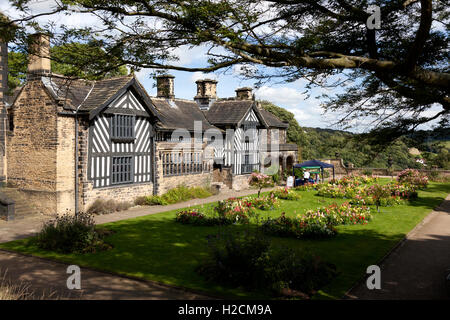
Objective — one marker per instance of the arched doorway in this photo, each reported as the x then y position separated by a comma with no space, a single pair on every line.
281,164
289,164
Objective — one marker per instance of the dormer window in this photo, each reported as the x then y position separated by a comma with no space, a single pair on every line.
122,127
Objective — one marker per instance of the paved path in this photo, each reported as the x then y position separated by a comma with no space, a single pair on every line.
417,268
47,280
23,228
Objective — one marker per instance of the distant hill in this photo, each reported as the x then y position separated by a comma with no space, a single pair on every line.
319,143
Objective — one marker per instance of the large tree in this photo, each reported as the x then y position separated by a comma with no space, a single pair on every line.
396,75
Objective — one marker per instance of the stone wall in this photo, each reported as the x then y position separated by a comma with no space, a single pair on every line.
40,150
165,183
33,140
386,172
126,193
240,182
65,164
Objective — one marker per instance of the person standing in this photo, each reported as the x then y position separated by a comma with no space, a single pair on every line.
306,176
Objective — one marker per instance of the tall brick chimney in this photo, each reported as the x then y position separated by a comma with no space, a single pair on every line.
244,93
39,57
165,86
206,93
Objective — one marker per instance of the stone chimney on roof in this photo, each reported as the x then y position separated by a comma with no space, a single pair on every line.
244,93
206,93
39,56
165,86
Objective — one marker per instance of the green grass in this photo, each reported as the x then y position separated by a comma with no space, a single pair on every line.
155,247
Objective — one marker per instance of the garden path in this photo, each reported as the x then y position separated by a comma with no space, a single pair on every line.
418,266
47,279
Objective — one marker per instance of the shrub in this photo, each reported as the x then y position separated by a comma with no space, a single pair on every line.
260,180
235,209
269,202
70,234
102,206
300,227
340,215
285,193
251,261
195,217
413,177
175,195
367,172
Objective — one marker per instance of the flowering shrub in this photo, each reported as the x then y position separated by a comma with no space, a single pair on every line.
413,177
353,180
298,227
307,187
260,180
286,194
317,223
269,202
191,217
380,195
340,215
235,209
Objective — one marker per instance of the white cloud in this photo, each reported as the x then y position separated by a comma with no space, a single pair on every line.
200,75
283,96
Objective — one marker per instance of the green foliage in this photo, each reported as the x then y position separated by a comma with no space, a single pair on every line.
316,143
178,194
70,234
251,261
101,206
90,62
294,133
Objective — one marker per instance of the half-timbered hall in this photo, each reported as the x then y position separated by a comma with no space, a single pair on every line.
73,141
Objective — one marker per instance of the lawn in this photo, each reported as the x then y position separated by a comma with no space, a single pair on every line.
157,248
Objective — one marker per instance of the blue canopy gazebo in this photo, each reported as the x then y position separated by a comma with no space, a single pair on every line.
312,164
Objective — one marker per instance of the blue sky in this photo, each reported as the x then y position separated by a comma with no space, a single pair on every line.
291,96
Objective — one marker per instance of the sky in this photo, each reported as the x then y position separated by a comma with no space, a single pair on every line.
291,96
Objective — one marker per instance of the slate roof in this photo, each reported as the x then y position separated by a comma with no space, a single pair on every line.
231,112
179,113
272,120
90,94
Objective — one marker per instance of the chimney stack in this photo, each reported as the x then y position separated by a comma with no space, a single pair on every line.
244,93
206,93
165,87
39,57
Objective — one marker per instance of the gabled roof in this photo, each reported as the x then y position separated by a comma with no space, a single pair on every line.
92,97
232,112
179,113
272,120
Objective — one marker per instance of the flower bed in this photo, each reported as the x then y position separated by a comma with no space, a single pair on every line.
306,187
344,214
317,223
413,177
353,180
285,194
298,227
269,202
382,195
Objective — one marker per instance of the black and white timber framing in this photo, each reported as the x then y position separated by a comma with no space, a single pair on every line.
110,157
